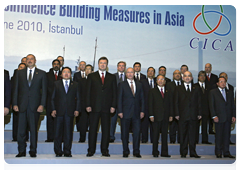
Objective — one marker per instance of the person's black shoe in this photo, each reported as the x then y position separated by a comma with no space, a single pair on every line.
206,142
21,154
68,155
218,156
172,142
106,154
155,155
212,133
14,140
144,141
167,156
228,156
32,154
58,155
89,154
81,141
183,156
195,156
137,155
125,155
111,140
231,143
49,140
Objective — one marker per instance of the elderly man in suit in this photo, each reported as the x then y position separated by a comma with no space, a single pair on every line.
223,112
130,110
160,112
101,101
29,99
187,106
120,77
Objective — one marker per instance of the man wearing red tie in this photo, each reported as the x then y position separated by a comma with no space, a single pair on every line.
210,82
101,101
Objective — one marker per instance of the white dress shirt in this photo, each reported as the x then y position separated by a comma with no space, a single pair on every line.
177,82
83,73
33,70
54,72
100,73
200,83
139,75
64,82
149,81
134,85
119,75
190,86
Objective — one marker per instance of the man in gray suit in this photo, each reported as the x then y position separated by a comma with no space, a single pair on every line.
120,76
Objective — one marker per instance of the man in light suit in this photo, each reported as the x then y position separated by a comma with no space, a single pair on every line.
29,99
130,110
120,77
160,113
101,101
65,103
223,112
187,106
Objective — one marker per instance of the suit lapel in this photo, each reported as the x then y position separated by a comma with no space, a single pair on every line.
220,94
129,88
70,86
35,75
25,76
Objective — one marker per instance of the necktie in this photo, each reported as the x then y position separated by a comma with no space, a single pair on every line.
121,77
178,83
102,78
83,75
208,77
56,75
66,86
188,89
203,88
224,94
30,78
162,93
151,86
132,89
137,77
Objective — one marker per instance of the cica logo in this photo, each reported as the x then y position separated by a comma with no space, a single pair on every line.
215,44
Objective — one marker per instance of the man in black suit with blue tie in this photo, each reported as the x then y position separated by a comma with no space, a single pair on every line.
223,112
137,69
187,108
29,99
130,110
65,105
101,101
120,77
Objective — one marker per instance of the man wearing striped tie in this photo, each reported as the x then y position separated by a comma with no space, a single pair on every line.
223,112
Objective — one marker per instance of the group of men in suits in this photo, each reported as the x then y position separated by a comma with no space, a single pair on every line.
141,102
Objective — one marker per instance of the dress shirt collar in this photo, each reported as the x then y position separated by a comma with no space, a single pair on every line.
163,88
200,83
190,86
100,73
64,82
227,86
176,81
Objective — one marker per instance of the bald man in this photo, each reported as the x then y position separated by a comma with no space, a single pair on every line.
187,108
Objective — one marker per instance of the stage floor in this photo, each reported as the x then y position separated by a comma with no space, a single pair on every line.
115,159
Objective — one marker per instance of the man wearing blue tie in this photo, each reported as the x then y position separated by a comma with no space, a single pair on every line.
223,112
65,105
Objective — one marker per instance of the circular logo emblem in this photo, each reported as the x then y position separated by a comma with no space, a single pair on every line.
212,30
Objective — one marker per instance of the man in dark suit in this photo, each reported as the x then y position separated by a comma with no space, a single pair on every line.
147,84
15,114
160,112
7,92
187,105
137,68
101,101
29,98
82,121
174,125
61,59
210,81
223,112
81,74
65,105
120,76
162,71
130,110
205,109
52,76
